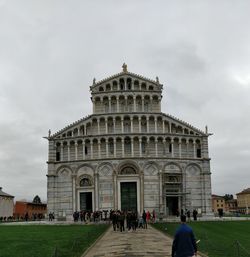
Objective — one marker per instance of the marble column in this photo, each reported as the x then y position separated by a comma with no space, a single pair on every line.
62,153
141,192
160,189
123,145
140,146
68,151
83,150
139,124
122,125
156,147
74,192
132,147
99,149
134,98
96,179
106,125
98,126
117,105
151,104
76,151
194,149
115,191
179,148
114,147
172,148
91,149
107,148
114,126
155,124
109,104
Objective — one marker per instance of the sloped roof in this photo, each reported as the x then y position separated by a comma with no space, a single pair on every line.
89,116
245,191
217,196
5,194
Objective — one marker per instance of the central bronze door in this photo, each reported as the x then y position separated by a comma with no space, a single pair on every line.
86,201
128,196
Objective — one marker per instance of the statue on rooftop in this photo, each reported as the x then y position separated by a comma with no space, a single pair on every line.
125,67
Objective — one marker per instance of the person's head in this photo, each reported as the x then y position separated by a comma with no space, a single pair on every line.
183,218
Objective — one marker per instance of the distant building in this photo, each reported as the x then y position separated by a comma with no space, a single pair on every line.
243,200
218,203
231,205
6,205
34,210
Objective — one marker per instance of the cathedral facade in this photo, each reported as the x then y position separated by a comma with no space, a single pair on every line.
128,155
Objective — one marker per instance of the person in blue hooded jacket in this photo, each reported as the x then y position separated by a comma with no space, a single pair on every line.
184,244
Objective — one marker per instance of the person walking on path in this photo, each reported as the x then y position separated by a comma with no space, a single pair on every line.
184,244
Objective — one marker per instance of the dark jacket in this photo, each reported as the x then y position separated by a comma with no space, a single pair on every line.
184,244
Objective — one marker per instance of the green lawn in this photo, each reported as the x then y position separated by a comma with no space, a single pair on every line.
41,240
217,238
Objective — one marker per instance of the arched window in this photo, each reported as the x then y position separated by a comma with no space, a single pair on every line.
85,182
144,126
111,147
127,144
126,126
121,81
128,170
129,84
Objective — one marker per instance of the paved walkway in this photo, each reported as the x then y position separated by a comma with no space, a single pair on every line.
143,242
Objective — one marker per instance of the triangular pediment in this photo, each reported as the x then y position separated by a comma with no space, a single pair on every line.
125,75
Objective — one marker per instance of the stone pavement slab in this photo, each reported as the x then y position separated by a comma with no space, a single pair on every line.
142,242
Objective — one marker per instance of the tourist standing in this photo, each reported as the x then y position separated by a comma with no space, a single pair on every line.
144,216
148,216
184,244
153,216
195,213
121,218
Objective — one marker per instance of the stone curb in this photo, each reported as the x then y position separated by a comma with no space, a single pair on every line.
96,241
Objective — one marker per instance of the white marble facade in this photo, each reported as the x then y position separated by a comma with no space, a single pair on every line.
128,154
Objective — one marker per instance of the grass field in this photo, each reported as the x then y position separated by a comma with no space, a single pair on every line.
217,238
41,240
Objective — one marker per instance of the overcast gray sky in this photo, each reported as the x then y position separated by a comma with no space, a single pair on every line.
51,50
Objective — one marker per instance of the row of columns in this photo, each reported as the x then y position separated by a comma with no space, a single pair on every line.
126,98
114,148
125,85
114,127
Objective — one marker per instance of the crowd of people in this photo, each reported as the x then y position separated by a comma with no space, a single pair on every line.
187,213
131,218
87,216
118,218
